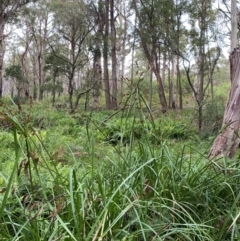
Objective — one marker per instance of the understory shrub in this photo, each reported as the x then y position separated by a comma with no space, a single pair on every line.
120,130
213,116
137,189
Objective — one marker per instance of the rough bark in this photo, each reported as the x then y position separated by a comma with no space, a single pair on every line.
2,50
113,55
105,55
233,24
123,44
178,35
40,33
179,85
228,139
161,93
151,89
34,73
172,103
164,64
97,77
23,60
152,56
202,53
97,66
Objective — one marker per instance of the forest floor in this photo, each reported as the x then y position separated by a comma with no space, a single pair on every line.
102,175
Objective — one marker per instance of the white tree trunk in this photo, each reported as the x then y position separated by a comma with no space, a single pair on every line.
228,139
172,103
113,55
233,24
2,51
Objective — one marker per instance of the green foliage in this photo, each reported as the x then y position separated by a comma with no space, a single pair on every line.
48,86
64,182
121,130
14,71
214,110
213,116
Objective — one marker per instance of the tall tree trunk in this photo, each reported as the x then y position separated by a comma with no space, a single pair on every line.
53,90
201,82
151,89
156,70
2,50
34,76
133,51
178,31
40,39
105,56
113,55
172,103
179,85
164,64
97,68
228,139
233,24
23,60
161,93
123,50
70,91
7,10
153,62
40,77
71,76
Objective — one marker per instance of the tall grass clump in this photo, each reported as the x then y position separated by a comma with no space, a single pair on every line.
137,188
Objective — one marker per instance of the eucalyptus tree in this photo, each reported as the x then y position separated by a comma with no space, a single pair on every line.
110,43
179,43
202,39
102,46
34,30
96,48
73,23
55,67
8,10
17,49
227,141
105,55
14,73
150,15
23,55
41,30
113,53
22,44
124,14
172,38
234,24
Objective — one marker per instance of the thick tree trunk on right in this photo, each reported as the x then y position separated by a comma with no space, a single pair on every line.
233,24
228,139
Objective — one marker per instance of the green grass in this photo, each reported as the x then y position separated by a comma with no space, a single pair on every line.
99,176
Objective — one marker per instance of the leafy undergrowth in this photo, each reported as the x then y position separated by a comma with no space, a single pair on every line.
92,177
